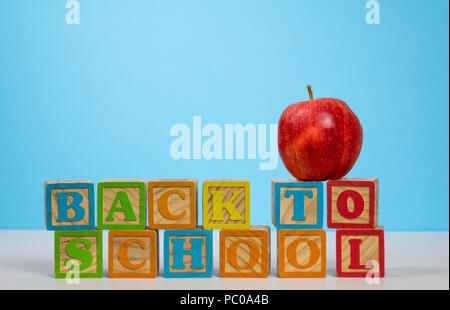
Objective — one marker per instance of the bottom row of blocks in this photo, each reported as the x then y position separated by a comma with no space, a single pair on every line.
242,253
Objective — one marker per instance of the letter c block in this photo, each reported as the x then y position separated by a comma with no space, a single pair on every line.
352,203
132,254
245,253
172,204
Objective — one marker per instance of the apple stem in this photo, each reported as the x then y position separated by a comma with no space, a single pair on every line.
310,92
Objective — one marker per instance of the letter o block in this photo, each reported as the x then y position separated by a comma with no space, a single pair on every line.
132,254
69,205
360,253
302,253
172,204
297,204
352,203
121,205
245,253
226,204
188,253
78,253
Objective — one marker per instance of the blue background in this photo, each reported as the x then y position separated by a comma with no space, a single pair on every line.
97,100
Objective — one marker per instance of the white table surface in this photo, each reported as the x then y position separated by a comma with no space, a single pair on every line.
414,260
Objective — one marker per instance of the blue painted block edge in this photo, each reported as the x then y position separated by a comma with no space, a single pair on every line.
319,186
48,206
196,232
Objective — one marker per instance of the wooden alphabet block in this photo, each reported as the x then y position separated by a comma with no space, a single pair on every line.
302,253
245,253
172,204
133,254
352,203
121,205
188,253
297,204
360,253
69,205
78,251
226,204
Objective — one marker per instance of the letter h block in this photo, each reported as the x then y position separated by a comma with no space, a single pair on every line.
188,253
121,205
78,251
172,204
133,253
297,204
69,205
245,253
360,252
226,204
352,203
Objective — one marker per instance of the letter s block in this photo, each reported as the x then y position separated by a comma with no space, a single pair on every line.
172,204
69,205
297,204
121,205
226,204
360,253
302,253
133,254
352,203
245,253
78,251
188,253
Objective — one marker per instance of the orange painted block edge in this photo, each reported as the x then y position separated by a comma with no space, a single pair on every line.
193,205
153,253
282,233
245,233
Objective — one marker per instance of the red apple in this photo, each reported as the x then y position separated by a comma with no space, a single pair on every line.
319,139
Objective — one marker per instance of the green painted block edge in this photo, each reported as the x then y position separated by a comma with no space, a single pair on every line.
142,207
80,233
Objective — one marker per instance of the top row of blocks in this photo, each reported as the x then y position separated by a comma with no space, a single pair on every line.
172,204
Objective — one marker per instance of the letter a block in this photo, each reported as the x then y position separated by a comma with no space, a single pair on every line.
78,253
302,253
132,254
226,204
188,253
69,205
121,205
245,253
352,203
360,253
297,205
172,204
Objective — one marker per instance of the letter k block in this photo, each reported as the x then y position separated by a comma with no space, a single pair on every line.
226,204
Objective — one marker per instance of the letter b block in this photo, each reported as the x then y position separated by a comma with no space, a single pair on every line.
121,205
297,205
245,253
133,254
188,253
360,253
352,203
78,252
302,253
172,204
226,204
69,205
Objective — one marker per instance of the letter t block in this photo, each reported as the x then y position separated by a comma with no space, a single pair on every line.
226,204
297,204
